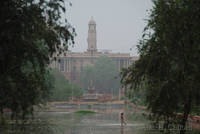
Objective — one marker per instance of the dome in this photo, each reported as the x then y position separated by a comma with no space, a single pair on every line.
92,22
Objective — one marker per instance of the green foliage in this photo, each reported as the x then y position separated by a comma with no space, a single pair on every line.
85,112
31,32
63,89
169,59
77,91
195,110
103,75
138,96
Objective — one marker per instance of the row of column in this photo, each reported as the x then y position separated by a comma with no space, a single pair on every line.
64,65
123,63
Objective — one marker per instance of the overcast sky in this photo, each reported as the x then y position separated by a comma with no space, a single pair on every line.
119,23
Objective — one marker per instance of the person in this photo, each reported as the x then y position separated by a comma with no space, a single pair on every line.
122,119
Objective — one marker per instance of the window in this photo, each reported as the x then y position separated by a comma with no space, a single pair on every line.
67,65
74,73
62,65
121,64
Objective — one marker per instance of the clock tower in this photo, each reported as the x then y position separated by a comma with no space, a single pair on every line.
92,37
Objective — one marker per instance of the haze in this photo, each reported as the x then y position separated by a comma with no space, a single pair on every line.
119,23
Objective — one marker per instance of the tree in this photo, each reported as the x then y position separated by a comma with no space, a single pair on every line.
103,75
63,89
31,32
137,96
169,59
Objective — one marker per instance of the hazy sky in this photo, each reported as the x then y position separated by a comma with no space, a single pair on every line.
119,23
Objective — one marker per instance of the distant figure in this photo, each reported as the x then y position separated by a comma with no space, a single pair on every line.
122,119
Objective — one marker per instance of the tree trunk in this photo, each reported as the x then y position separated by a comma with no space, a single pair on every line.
12,115
187,108
1,116
23,113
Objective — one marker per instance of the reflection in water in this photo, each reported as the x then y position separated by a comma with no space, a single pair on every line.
71,123
122,130
34,127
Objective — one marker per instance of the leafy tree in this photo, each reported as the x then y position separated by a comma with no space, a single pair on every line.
169,59
63,89
137,96
103,75
31,32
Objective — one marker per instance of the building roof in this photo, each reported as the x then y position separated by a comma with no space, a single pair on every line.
95,55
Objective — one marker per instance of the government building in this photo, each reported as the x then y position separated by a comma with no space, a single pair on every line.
71,64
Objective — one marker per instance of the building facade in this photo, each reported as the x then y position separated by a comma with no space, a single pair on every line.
71,64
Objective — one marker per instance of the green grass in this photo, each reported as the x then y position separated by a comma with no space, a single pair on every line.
85,112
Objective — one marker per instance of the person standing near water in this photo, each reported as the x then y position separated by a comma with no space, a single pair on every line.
122,119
